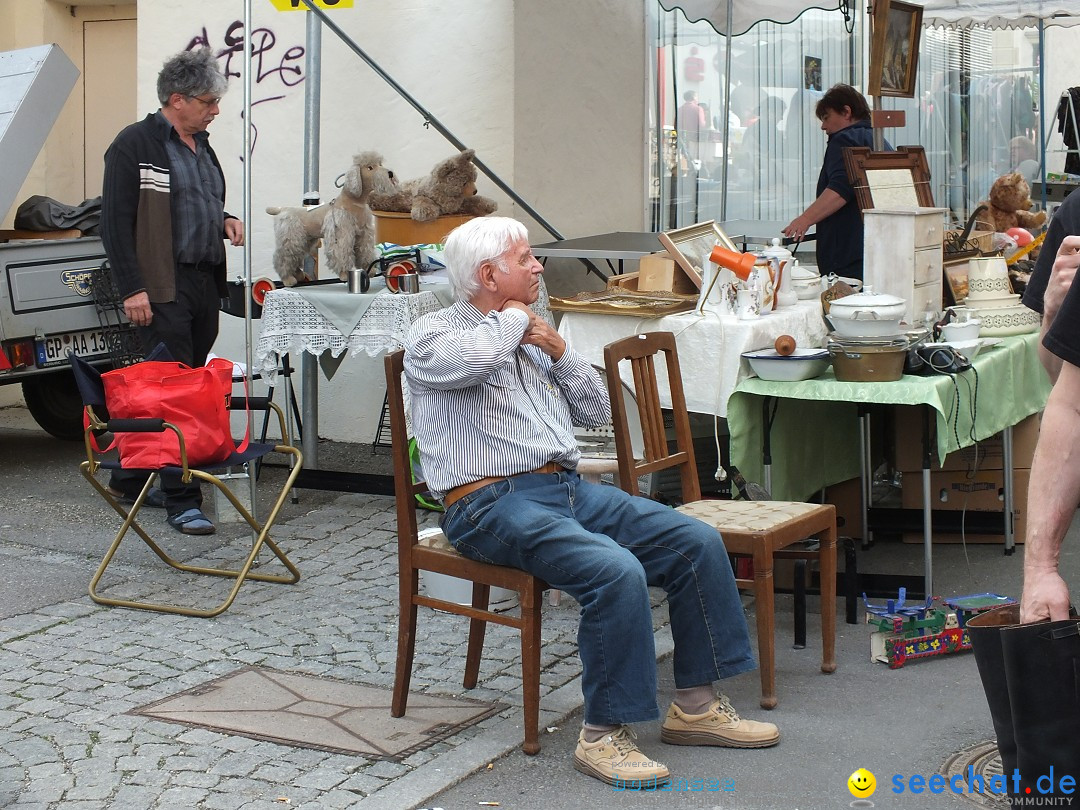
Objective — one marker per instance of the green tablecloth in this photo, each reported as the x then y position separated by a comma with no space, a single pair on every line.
815,436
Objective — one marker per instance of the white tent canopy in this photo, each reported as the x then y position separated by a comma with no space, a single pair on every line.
948,13
1000,13
744,15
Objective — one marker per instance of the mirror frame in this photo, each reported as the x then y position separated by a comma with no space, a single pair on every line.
692,243
858,160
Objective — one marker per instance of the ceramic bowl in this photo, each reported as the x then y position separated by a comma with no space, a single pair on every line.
961,332
859,327
802,364
1009,320
868,307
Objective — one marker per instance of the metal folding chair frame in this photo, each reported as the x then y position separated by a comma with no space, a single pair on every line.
203,473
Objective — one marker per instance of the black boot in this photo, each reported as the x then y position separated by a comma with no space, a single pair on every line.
1030,677
1041,662
984,630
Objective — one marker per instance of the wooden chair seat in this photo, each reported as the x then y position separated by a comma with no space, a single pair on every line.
433,553
761,530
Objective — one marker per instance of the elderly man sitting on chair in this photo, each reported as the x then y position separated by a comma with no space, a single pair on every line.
495,393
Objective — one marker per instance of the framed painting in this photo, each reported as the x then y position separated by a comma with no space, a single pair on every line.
894,49
899,179
956,280
692,245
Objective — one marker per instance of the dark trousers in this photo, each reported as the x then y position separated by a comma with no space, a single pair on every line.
188,327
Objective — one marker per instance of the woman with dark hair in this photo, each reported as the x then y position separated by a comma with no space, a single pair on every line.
845,118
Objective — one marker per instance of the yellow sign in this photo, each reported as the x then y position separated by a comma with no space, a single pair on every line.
325,5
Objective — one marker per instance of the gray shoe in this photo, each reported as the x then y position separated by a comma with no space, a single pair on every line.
192,521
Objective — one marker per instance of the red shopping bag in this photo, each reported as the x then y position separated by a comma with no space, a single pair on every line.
194,399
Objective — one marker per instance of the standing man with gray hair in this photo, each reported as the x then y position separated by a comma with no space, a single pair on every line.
163,224
496,392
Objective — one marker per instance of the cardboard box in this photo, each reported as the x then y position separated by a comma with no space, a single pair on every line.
660,272
845,497
986,455
982,492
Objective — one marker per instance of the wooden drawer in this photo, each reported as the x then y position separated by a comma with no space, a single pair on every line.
927,265
923,299
929,231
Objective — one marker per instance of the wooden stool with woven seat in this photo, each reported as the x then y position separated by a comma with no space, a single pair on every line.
435,554
761,530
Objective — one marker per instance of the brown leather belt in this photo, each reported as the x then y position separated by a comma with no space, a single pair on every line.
457,493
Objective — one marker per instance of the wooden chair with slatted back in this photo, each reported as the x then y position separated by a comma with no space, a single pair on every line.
435,554
762,530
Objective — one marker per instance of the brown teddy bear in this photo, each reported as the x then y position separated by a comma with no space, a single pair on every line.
449,189
1010,199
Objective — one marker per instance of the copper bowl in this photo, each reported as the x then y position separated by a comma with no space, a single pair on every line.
857,360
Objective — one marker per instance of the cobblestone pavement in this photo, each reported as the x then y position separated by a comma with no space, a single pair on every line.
71,673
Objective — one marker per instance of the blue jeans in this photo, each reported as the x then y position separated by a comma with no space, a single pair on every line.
604,548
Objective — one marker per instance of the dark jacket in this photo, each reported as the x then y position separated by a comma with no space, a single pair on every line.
839,239
136,215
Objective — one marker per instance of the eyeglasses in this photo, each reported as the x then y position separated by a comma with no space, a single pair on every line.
207,102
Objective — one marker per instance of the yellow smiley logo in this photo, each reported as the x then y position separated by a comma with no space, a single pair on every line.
862,784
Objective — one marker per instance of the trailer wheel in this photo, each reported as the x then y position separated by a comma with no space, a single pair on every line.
54,402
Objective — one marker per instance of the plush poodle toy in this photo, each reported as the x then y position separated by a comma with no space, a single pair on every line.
1010,199
346,224
449,189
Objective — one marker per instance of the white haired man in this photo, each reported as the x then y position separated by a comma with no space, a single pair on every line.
495,394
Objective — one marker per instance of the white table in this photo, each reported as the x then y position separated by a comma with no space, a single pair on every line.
710,345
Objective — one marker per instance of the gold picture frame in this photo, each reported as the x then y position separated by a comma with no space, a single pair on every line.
894,49
691,246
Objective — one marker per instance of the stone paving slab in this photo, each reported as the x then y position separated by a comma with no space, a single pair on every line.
72,672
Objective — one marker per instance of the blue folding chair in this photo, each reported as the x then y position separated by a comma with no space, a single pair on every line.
95,407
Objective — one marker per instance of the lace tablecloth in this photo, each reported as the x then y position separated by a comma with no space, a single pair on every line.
291,322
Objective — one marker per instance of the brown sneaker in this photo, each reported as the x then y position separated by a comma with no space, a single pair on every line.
616,758
720,725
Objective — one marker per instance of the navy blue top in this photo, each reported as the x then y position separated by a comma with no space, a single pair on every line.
840,235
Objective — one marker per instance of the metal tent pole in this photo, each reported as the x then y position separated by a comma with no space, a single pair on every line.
727,115
309,364
246,214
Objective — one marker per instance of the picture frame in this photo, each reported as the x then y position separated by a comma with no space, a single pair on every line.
956,280
894,48
691,246
899,179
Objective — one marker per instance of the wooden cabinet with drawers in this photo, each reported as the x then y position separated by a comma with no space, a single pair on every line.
902,256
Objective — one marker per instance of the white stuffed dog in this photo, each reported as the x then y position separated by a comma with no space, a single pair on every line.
346,224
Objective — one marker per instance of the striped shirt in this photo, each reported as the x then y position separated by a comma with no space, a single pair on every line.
484,406
198,202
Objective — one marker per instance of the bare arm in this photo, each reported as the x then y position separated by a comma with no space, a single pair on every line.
827,204
1053,494
1061,279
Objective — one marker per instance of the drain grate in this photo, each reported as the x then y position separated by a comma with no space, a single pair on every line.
984,760
317,712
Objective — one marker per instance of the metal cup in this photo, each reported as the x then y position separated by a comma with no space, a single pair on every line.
356,280
408,283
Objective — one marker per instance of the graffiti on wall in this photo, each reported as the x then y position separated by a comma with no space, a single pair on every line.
275,68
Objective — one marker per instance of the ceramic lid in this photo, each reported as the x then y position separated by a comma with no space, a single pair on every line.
867,300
